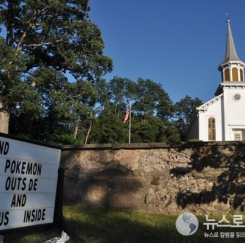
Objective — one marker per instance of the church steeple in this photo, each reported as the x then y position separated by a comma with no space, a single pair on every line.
232,67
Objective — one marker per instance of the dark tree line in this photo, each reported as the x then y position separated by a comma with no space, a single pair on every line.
98,115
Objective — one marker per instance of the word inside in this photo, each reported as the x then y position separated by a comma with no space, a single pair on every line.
34,215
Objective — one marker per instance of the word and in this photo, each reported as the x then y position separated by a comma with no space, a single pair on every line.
4,147
18,200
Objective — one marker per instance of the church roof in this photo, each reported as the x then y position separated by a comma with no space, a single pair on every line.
231,54
205,106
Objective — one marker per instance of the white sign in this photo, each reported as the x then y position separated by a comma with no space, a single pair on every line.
28,181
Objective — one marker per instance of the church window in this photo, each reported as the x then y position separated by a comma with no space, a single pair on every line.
227,75
234,74
241,74
211,129
237,136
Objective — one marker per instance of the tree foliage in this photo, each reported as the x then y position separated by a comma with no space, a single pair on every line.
76,119
151,111
46,40
184,110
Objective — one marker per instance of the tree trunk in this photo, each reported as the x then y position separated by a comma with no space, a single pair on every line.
75,130
89,129
4,121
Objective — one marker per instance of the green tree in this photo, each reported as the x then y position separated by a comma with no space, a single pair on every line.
107,129
46,36
145,131
168,132
151,107
184,110
151,99
66,109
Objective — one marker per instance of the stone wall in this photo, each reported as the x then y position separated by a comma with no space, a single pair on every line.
196,177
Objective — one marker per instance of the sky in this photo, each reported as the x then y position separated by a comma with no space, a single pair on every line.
176,43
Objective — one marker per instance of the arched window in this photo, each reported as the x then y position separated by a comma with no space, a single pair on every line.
211,129
234,74
227,75
241,74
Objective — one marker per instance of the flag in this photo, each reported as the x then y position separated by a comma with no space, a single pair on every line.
127,115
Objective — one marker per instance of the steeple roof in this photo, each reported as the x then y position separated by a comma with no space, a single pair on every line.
231,55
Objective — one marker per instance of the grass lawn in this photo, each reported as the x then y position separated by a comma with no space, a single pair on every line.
97,225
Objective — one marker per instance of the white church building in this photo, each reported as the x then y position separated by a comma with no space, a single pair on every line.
223,117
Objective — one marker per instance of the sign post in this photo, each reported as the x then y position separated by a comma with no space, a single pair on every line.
28,182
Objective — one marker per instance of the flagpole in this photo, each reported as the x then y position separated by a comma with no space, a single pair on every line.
129,126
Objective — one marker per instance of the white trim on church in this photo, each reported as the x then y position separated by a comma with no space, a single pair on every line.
223,117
